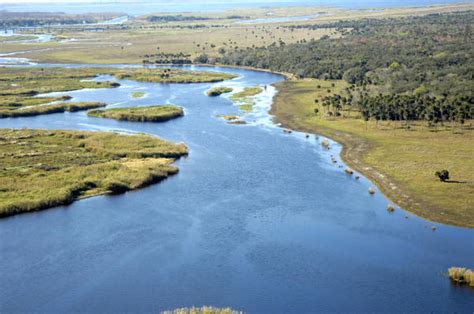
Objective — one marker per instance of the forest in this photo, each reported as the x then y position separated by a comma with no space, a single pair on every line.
422,62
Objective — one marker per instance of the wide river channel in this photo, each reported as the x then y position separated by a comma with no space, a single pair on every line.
257,219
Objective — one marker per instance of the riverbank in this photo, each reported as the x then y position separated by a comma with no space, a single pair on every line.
401,163
47,168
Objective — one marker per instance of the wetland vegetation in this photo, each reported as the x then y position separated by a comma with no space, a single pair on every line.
217,91
46,168
20,87
140,114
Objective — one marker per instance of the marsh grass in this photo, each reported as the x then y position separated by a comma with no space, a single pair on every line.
203,310
140,114
48,109
19,86
461,275
217,91
245,99
40,169
228,117
161,75
138,94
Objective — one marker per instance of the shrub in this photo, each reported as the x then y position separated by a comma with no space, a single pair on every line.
443,175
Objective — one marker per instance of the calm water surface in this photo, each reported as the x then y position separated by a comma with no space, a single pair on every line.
256,219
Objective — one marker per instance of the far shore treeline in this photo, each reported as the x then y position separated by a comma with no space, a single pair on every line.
408,68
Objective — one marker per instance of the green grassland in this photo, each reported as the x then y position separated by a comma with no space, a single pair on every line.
40,169
401,162
217,91
140,114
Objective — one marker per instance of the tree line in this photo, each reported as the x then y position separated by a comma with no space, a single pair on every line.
424,62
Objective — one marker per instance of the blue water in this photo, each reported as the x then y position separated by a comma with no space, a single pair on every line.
148,6
256,219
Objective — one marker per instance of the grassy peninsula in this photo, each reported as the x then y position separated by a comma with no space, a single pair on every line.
140,114
46,168
401,161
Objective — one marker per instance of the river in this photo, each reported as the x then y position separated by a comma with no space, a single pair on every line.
256,219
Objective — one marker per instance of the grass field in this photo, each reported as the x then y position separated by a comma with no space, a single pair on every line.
401,162
40,169
140,114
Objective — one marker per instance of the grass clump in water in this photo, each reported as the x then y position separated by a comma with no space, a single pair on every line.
245,98
461,275
247,92
138,94
217,91
140,114
229,117
43,168
203,310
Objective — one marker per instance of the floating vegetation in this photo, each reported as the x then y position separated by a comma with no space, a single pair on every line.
203,310
217,91
461,276
138,94
245,98
246,107
247,92
228,117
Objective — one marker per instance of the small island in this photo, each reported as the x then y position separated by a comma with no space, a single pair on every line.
140,114
217,91
47,168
